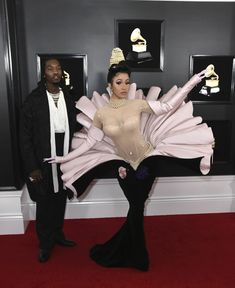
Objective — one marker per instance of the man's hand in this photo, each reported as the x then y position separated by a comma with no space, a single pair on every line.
36,176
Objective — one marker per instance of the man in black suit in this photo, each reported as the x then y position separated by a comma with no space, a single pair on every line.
48,121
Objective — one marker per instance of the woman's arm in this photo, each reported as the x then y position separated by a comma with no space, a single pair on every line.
160,107
94,134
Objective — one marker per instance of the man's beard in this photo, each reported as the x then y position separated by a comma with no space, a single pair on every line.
56,83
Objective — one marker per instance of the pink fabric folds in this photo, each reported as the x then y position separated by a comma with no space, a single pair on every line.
174,133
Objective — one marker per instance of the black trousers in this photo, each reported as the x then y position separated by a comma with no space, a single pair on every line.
50,207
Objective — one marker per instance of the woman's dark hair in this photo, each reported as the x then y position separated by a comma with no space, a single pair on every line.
121,67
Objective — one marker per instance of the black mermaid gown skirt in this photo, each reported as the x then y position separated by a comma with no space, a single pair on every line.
127,248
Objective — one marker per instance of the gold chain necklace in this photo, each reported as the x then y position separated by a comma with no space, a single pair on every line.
117,103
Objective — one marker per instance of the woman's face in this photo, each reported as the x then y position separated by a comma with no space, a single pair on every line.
120,85
53,71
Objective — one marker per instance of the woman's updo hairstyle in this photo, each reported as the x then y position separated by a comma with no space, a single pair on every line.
117,65
121,67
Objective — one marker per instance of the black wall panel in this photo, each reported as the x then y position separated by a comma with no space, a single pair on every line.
10,99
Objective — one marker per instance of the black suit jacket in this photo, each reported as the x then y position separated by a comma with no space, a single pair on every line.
35,136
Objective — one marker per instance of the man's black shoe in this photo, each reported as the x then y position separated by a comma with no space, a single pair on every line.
44,255
66,243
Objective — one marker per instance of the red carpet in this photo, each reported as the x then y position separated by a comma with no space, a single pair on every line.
191,251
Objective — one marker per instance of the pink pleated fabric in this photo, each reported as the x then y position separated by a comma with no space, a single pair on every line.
176,133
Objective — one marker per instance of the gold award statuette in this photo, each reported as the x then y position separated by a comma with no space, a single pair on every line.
212,82
139,51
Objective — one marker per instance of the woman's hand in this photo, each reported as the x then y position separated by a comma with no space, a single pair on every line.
202,74
197,78
56,159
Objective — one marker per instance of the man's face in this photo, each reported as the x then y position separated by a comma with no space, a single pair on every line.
53,71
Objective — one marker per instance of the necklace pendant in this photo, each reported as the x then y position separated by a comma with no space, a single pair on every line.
117,103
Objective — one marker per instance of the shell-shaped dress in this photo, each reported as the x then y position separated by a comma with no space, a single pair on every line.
176,133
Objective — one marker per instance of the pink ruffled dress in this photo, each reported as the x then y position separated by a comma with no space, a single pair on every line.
174,132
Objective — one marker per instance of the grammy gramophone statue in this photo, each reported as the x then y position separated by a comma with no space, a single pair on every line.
139,51
67,81
212,82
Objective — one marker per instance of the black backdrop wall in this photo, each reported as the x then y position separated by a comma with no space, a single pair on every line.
10,97
87,27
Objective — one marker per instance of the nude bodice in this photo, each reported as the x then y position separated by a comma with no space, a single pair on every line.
122,125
